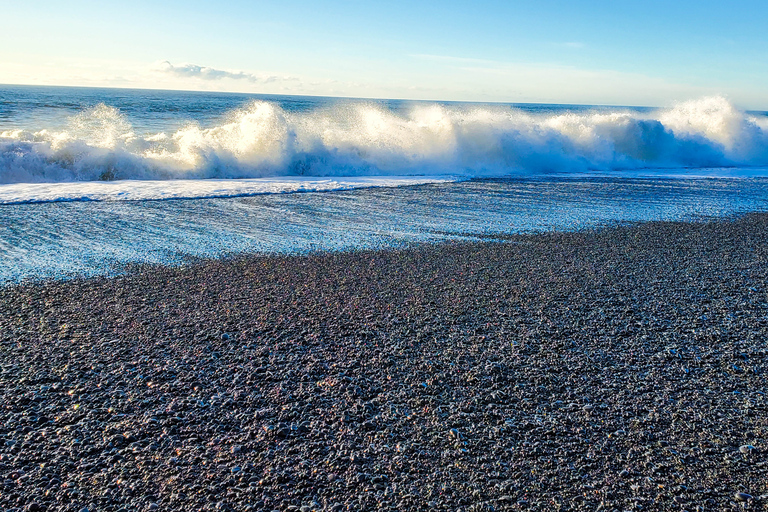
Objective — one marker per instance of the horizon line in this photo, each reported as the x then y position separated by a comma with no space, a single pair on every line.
361,98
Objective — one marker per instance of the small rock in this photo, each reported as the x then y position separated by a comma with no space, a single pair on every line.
152,506
588,408
454,433
747,448
742,496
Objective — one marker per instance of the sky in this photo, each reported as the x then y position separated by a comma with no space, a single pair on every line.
648,52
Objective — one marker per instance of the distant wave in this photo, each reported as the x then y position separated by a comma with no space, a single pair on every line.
364,139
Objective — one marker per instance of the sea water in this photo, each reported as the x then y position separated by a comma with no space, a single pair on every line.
92,180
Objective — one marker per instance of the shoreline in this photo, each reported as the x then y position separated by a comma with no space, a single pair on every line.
60,240
620,368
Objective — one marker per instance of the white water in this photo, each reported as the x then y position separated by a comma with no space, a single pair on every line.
135,190
363,139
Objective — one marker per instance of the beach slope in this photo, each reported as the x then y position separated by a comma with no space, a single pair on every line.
620,369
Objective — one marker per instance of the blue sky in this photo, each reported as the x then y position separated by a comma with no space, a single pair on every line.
605,52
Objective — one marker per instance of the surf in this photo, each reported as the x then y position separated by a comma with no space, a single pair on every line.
263,140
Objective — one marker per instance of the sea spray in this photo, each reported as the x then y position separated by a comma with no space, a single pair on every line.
358,138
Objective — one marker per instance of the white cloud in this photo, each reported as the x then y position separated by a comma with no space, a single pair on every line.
208,73
422,77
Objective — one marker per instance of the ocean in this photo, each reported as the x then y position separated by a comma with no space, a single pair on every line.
93,181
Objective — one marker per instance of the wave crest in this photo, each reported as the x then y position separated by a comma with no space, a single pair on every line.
359,139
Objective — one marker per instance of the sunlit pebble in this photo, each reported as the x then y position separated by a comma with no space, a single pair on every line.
747,448
742,496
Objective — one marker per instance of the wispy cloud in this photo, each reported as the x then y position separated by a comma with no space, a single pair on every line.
543,82
450,59
207,73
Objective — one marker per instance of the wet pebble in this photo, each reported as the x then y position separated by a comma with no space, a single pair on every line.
747,448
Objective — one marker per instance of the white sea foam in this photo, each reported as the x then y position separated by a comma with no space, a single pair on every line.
134,190
365,139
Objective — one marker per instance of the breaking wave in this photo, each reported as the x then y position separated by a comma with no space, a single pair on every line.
365,139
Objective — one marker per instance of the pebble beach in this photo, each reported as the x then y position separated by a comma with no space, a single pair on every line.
623,368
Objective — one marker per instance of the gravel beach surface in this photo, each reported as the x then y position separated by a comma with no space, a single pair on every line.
618,369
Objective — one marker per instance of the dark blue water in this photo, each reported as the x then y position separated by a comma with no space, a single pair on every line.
37,108
149,111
